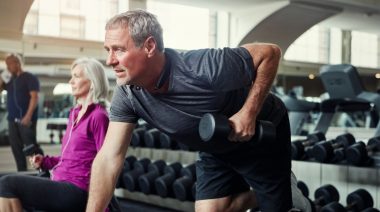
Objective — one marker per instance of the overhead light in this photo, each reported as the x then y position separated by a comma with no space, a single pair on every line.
311,76
377,75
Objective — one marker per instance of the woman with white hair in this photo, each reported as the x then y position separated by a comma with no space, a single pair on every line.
67,188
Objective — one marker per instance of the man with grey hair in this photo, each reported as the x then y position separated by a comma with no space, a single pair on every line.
22,99
172,91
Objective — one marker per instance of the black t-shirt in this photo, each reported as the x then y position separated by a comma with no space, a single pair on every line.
200,81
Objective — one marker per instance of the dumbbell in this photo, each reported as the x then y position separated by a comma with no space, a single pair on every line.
303,188
182,187
167,142
214,127
138,137
333,150
164,183
298,147
34,149
130,178
356,201
152,138
146,181
358,153
128,165
324,195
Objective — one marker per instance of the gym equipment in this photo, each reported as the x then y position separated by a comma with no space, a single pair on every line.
146,181
182,187
152,138
138,137
167,142
34,149
358,153
356,201
128,165
299,112
213,128
164,183
333,150
342,83
130,178
298,147
324,195
303,188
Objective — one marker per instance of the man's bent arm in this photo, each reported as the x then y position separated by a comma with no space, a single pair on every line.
108,165
265,58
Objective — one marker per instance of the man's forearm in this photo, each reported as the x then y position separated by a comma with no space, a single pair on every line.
103,179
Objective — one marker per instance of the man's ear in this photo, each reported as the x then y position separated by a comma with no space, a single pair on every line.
150,46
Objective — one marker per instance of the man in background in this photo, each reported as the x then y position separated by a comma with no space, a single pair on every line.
22,98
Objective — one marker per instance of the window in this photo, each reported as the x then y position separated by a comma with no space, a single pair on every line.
364,49
184,27
72,26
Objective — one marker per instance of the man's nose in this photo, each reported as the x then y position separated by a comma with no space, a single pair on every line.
111,59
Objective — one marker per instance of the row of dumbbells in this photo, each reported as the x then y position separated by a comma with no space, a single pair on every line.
158,178
144,136
343,148
326,199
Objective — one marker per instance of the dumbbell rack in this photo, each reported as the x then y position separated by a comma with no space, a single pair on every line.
170,156
346,178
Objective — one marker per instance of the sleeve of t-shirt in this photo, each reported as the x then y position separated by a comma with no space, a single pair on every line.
100,125
33,83
228,68
121,106
49,162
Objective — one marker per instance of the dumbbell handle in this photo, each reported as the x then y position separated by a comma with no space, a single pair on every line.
211,125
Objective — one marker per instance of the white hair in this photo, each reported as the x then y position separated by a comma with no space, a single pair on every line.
94,71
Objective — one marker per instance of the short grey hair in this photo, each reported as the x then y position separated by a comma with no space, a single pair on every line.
94,71
141,24
17,57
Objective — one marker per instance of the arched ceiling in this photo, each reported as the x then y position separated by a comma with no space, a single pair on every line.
13,13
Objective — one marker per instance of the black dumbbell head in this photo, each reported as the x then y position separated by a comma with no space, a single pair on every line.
356,154
164,184
213,127
152,138
167,142
323,151
326,194
138,137
346,139
265,131
303,188
316,136
298,150
374,143
360,199
182,188
128,163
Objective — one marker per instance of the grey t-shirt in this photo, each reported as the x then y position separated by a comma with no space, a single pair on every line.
200,81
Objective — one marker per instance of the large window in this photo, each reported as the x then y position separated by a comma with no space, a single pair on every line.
312,46
184,27
78,19
364,49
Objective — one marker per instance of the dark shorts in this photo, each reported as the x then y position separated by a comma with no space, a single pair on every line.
266,168
40,193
